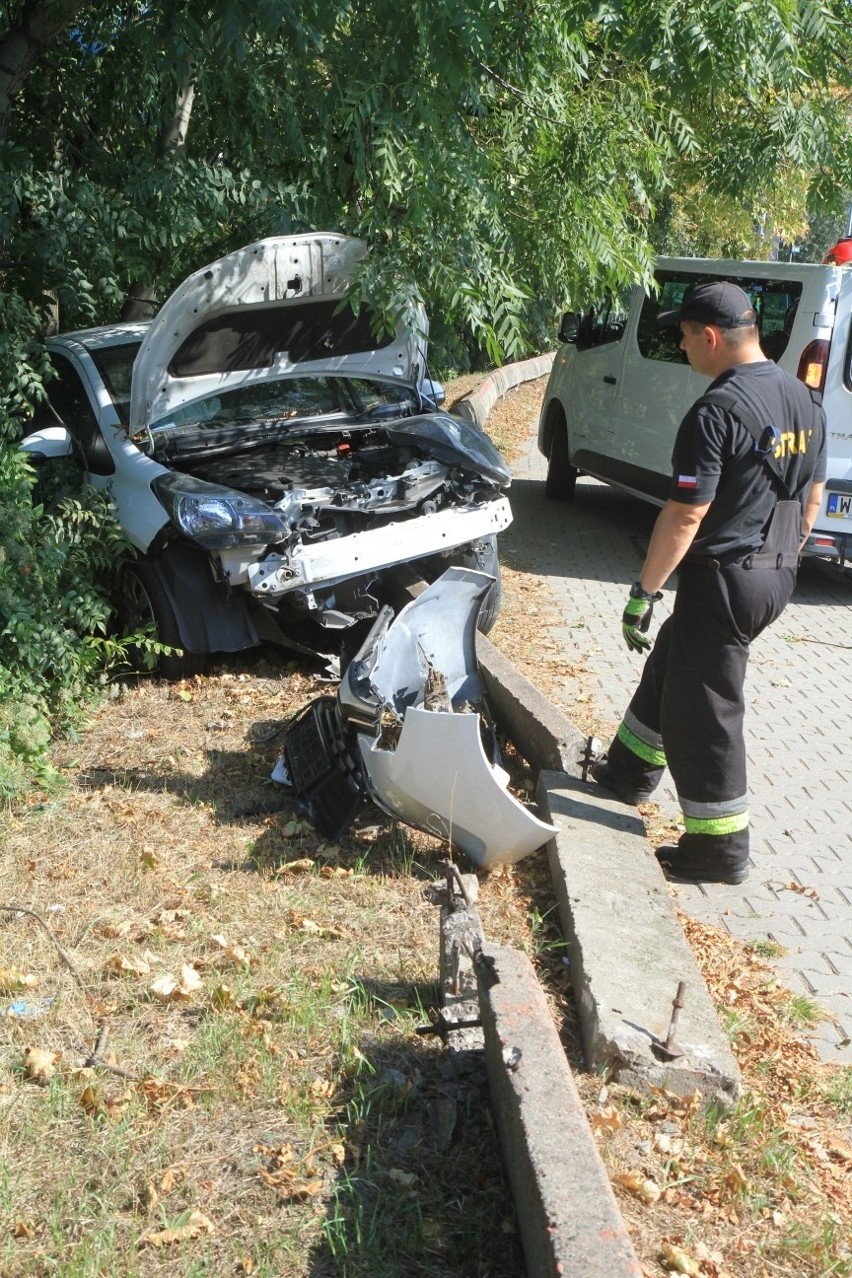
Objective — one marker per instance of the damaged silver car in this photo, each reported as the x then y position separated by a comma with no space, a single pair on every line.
409,727
272,461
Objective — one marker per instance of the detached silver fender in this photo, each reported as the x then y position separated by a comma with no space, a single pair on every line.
438,777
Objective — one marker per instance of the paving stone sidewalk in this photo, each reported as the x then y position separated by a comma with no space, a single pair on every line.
798,728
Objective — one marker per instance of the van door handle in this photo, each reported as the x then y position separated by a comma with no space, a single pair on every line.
610,381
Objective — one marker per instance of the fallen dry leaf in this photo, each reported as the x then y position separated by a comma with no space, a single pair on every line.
228,953
126,965
406,1180
793,886
303,866
13,981
195,1225
114,930
22,1229
39,1065
169,988
679,1260
223,997
640,1185
838,1149
92,1100
606,1120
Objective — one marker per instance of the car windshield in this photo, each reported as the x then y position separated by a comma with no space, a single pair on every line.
265,404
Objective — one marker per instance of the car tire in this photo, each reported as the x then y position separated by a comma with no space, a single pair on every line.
561,478
143,600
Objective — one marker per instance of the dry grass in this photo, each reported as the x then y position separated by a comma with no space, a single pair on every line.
260,989
260,1103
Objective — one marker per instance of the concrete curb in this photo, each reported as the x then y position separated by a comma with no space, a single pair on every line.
547,738
567,1214
476,406
627,950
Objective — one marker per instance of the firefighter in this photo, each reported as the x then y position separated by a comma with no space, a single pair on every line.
748,475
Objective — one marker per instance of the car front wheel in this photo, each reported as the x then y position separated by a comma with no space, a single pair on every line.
561,475
144,602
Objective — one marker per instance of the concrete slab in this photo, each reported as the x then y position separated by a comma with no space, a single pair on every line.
545,736
569,1222
627,949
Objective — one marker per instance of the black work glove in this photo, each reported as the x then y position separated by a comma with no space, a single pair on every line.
637,618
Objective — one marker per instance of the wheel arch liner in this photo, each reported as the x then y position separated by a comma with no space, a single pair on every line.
209,616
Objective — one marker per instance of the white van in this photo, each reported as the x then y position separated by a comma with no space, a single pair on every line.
620,384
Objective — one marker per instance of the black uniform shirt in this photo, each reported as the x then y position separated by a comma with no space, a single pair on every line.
714,458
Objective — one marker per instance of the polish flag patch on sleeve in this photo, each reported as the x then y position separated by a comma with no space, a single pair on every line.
687,481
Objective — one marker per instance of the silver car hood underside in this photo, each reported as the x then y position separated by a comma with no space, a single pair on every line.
299,275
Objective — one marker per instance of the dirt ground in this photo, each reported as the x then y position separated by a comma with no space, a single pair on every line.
214,1065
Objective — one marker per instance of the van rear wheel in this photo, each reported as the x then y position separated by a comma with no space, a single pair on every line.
561,475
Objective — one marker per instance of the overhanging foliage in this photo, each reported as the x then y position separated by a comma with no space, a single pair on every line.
503,158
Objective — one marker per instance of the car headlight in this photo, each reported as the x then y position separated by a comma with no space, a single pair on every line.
454,442
215,517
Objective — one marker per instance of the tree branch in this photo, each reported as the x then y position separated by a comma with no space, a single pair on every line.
39,25
19,909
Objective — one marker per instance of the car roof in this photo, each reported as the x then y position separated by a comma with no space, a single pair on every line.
104,335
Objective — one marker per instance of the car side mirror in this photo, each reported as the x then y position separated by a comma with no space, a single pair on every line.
570,327
50,441
432,392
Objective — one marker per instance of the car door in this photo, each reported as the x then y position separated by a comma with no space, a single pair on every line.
73,401
652,394
593,371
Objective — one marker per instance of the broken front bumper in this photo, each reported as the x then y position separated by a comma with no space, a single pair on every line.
416,680
326,562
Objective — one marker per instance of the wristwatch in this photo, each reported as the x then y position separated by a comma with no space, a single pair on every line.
636,592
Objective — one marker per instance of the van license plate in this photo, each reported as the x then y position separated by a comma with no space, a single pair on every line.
839,505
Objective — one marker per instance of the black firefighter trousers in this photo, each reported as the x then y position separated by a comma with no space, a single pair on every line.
688,708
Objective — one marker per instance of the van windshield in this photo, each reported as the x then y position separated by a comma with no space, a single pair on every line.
775,302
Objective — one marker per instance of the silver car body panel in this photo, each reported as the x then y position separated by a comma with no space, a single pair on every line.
438,778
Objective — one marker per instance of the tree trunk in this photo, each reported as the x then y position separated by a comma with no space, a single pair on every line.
40,23
140,303
172,139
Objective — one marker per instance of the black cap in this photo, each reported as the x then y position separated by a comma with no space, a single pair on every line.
720,303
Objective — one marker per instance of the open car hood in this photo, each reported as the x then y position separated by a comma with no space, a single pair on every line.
265,311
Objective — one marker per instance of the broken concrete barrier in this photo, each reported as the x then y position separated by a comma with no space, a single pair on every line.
567,1214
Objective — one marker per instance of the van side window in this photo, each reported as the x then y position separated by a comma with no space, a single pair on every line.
774,300
603,323
663,343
